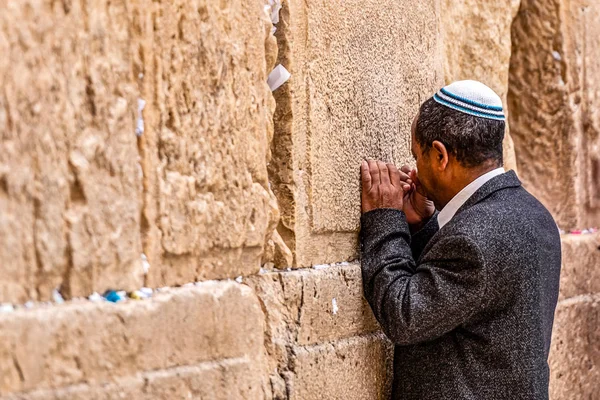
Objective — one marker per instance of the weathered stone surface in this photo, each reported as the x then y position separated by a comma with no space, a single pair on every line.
231,379
359,72
481,52
299,305
70,181
355,368
237,378
580,273
307,307
575,354
208,208
81,196
333,306
554,100
98,342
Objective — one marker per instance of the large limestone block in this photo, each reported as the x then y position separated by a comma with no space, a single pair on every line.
354,369
554,100
580,273
308,307
229,379
477,43
208,118
82,197
359,71
575,353
70,180
51,347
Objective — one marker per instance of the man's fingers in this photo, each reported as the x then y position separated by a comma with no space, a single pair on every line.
365,176
395,177
406,174
374,171
404,177
415,177
418,187
384,173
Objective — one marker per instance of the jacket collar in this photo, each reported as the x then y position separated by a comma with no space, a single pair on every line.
503,181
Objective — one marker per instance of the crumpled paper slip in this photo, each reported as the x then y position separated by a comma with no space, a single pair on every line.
138,295
275,8
278,77
96,297
139,126
7,308
145,264
57,297
113,296
556,55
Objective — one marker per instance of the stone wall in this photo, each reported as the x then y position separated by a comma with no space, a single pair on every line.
146,157
71,184
359,73
141,146
482,51
575,352
553,103
82,195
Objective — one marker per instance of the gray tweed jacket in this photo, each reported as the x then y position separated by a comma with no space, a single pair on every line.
469,306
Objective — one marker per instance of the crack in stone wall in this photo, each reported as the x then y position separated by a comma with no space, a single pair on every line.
212,209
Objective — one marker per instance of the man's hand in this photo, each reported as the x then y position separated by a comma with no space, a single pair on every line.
417,207
382,186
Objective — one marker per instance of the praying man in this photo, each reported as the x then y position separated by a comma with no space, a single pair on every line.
460,264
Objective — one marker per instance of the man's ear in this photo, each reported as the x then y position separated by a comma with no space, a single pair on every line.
441,155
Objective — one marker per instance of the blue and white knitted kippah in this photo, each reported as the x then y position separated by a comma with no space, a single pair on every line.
471,97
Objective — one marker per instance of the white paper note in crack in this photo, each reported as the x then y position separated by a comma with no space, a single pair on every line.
275,8
139,125
278,77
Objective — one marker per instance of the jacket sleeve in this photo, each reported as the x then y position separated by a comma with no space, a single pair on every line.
420,238
416,303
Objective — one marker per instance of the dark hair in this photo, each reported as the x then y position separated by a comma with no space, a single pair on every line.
472,140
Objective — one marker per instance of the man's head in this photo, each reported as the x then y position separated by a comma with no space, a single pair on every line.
456,136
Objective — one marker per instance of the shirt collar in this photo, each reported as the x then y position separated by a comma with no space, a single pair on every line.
461,197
